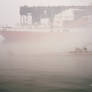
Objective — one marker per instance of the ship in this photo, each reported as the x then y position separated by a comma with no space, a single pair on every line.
49,29
49,19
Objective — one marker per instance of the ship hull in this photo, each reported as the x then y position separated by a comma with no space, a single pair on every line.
18,36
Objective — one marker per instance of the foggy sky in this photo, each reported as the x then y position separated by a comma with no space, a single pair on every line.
9,9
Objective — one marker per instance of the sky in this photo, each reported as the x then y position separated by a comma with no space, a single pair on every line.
9,9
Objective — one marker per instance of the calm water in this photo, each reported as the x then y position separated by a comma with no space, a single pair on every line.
46,73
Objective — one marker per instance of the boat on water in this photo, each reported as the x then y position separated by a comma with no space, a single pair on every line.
80,51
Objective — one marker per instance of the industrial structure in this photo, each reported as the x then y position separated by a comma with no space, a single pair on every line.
38,12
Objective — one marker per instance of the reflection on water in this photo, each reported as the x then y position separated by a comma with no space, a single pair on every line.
46,73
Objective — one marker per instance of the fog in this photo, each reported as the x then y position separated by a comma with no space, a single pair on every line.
44,52
45,57
45,61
